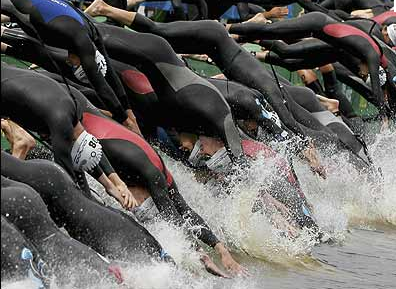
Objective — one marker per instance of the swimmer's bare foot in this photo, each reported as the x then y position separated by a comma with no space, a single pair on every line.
96,8
258,18
21,141
219,76
365,13
331,105
261,55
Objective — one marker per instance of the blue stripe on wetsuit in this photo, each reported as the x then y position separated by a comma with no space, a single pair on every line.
50,9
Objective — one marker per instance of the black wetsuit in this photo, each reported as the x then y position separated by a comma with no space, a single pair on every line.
23,207
171,79
108,231
216,8
249,104
248,10
181,93
178,8
137,163
176,86
348,6
59,24
244,104
333,90
386,18
312,53
335,124
19,258
28,99
211,38
347,37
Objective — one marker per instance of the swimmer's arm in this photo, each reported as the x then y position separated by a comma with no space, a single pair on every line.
86,51
116,187
124,195
206,235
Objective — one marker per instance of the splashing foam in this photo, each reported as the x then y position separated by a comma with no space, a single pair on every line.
349,198
344,199
231,216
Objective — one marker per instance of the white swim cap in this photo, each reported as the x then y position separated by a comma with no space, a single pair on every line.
220,162
382,77
79,73
391,29
146,211
86,152
195,158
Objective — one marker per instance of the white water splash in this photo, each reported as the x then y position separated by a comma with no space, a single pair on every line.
345,199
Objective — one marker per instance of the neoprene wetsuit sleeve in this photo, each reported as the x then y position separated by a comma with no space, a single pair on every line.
86,51
193,219
8,8
106,165
112,77
96,172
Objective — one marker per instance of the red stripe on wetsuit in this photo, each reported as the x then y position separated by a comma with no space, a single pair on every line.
339,30
380,19
103,128
136,81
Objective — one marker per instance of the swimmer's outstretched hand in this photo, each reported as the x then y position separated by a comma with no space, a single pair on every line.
229,263
129,201
311,156
122,193
211,267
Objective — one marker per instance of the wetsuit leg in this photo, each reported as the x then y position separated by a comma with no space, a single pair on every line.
60,24
129,160
38,103
177,86
24,207
196,224
288,29
212,38
16,251
353,40
109,232
354,82
111,76
333,91
249,104
313,49
331,122
137,163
